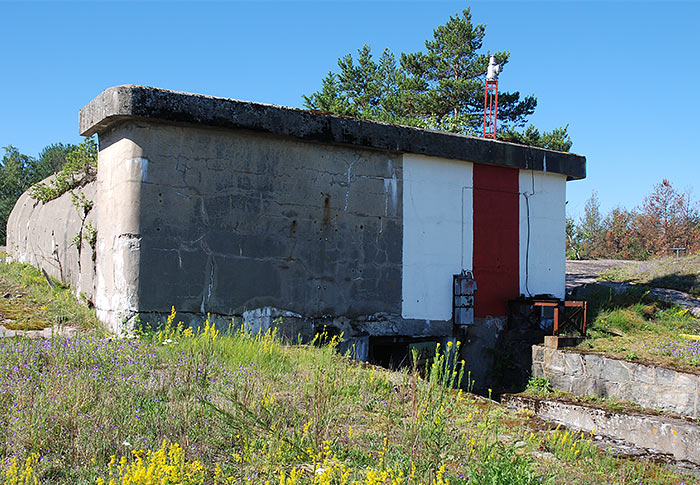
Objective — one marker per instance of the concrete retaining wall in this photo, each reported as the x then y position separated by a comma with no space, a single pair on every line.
658,434
588,374
42,235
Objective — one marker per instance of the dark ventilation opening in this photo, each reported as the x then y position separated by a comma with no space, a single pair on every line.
324,335
396,352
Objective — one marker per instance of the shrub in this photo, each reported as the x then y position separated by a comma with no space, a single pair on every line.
79,169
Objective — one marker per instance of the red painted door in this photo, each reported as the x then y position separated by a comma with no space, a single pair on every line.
496,239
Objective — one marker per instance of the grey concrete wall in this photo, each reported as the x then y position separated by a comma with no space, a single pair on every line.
658,434
479,352
41,235
233,222
589,374
230,207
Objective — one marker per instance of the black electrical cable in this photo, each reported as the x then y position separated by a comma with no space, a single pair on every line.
527,208
527,246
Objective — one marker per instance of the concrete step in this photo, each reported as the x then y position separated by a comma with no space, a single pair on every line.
657,434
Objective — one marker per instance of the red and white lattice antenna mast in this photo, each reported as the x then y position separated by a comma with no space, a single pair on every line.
491,99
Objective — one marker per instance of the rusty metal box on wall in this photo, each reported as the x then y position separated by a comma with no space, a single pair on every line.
463,289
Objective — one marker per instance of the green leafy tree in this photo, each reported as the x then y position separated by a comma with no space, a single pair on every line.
591,229
17,173
440,88
73,165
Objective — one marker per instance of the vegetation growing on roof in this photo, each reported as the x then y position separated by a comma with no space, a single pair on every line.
79,168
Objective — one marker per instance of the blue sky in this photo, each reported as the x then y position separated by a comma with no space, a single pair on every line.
623,75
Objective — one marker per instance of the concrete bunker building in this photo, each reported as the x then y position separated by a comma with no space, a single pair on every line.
234,208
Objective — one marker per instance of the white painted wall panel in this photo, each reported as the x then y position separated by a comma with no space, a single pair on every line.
437,233
546,264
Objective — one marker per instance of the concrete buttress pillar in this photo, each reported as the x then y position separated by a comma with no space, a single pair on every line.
122,168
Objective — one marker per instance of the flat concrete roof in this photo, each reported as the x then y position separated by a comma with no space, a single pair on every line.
121,103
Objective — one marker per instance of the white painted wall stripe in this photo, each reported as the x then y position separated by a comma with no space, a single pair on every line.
546,264
437,233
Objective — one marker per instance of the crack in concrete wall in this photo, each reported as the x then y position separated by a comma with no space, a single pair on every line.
256,221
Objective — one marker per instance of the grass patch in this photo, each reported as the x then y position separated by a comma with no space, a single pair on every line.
681,274
29,302
184,406
631,325
189,406
244,408
197,407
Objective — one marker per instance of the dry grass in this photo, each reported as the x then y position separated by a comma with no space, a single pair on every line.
681,274
29,302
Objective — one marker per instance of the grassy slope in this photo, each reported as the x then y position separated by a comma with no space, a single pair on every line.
675,273
631,325
28,302
243,408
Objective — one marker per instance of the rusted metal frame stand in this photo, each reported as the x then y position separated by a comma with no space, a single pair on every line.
490,109
580,310
563,314
561,317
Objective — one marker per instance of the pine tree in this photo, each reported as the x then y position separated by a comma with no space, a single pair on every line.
52,158
557,139
448,79
363,89
441,88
